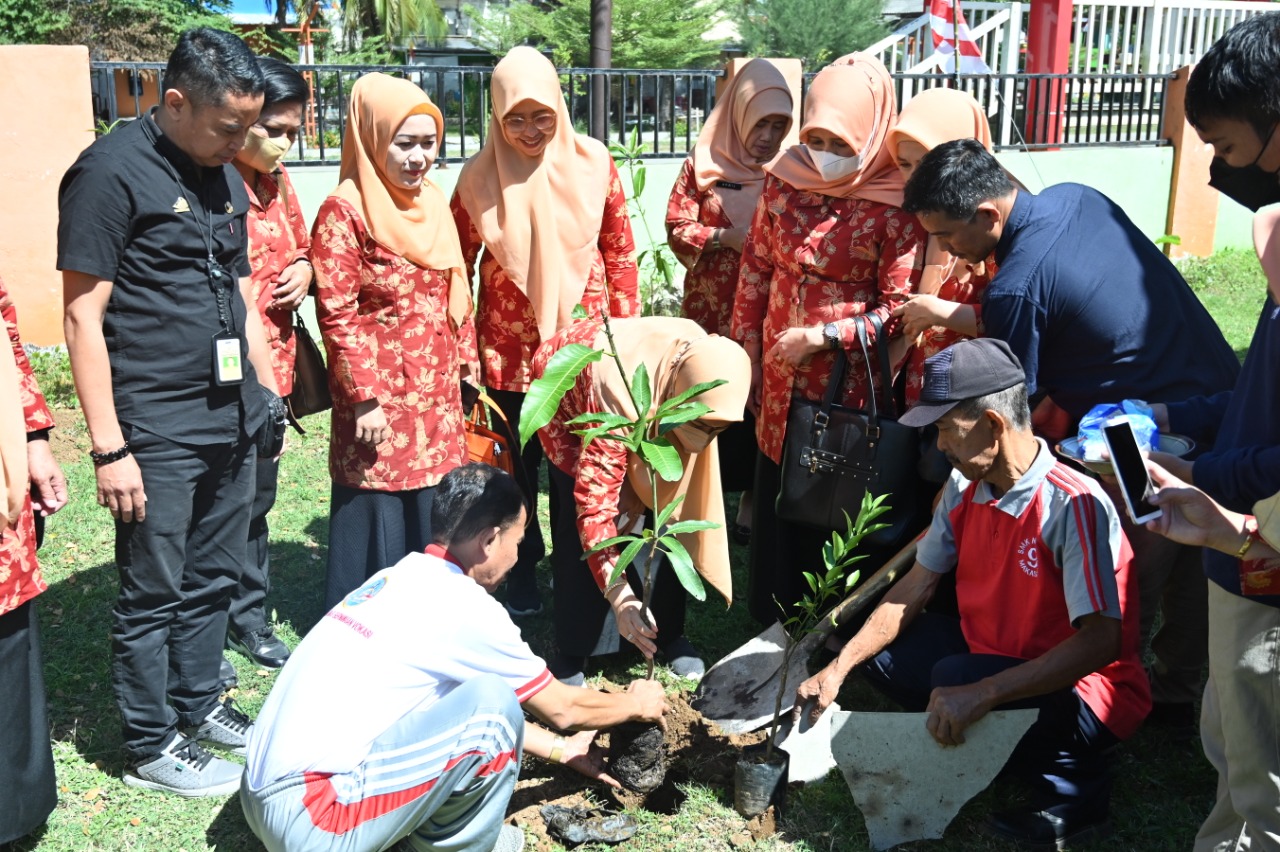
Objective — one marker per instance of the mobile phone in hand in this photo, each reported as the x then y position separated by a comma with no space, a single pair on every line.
1130,469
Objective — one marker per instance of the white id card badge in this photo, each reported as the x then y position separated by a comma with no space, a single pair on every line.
228,362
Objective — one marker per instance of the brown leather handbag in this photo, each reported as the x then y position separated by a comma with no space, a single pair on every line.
310,394
499,449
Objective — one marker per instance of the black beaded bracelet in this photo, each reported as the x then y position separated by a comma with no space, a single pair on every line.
99,459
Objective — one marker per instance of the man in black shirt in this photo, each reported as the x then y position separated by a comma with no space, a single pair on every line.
167,363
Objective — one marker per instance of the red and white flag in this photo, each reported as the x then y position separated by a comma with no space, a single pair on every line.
951,36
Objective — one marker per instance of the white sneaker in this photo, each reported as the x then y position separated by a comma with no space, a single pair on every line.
186,769
226,727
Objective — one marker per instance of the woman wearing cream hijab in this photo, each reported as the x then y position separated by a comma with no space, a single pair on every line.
547,206
948,308
827,247
708,214
604,490
391,301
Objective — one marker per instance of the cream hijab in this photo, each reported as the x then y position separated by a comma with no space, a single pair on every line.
854,100
720,154
931,118
414,224
539,216
678,355
14,479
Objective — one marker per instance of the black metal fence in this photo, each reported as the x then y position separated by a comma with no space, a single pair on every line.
665,109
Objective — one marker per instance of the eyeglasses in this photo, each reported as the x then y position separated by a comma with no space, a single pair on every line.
543,121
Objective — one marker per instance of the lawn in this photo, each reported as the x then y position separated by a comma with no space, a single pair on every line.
1163,788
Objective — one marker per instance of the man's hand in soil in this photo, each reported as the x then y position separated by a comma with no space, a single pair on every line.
819,690
651,701
952,709
582,755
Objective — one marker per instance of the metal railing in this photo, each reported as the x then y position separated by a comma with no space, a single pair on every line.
666,108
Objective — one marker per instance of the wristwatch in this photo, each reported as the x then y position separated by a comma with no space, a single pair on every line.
831,334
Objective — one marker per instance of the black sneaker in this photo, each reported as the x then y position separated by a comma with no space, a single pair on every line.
522,605
1046,830
185,769
226,727
262,646
227,677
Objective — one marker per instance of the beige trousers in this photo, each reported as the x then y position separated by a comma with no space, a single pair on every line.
1240,725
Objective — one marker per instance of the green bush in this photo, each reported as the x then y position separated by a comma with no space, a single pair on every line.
53,373
1232,270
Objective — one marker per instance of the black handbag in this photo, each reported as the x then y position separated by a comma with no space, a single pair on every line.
310,394
832,455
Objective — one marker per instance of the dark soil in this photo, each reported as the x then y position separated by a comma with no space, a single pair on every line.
638,756
696,751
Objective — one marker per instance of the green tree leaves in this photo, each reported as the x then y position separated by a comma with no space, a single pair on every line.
816,31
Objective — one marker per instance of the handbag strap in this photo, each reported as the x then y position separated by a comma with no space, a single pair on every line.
882,354
513,444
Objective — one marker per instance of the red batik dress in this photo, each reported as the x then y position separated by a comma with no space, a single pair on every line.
386,328
936,338
711,276
505,323
20,577
278,238
809,260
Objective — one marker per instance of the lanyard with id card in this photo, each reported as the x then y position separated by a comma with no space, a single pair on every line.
228,343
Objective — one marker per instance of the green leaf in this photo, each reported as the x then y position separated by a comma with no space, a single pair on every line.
682,564
640,393
589,435
634,141
690,526
663,458
614,542
544,395
612,421
618,152
690,393
666,511
637,184
811,580
628,555
579,312
852,580
685,414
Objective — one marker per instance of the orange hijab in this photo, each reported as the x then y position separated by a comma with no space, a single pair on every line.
539,216
931,118
854,100
757,91
415,224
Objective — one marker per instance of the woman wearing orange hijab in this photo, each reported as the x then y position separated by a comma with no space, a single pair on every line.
948,307
828,246
708,214
391,298
547,207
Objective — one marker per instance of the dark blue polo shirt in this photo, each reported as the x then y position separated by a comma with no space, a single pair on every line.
1094,309
136,211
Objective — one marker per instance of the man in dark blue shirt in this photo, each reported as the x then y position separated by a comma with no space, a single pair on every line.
1097,314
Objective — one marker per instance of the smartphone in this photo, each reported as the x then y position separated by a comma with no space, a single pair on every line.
1130,469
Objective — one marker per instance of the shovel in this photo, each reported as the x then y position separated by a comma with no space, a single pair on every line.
740,692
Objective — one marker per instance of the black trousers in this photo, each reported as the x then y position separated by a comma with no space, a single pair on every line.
371,530
26,760
522,581
584,622
177,569
248,600
1063,756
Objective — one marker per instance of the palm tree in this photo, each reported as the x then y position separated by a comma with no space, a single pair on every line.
394,20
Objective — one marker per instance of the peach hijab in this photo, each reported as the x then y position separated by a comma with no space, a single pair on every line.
539,216
852,98
720,154
415,224
678,354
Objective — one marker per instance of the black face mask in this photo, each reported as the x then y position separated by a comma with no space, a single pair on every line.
1249,186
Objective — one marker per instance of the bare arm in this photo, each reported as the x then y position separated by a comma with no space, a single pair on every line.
900,606
1095,645
572,708
579,751
85,304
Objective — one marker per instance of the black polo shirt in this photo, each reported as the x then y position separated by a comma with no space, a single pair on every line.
135,210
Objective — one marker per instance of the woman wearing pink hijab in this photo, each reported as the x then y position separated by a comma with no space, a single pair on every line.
828,247
708,215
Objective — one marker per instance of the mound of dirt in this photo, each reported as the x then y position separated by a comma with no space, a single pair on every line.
696,751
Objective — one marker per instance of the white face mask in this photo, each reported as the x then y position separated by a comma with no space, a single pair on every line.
264,153
833,167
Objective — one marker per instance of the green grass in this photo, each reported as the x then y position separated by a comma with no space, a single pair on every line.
1163,789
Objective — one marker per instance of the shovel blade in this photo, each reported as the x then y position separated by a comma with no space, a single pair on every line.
732,695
